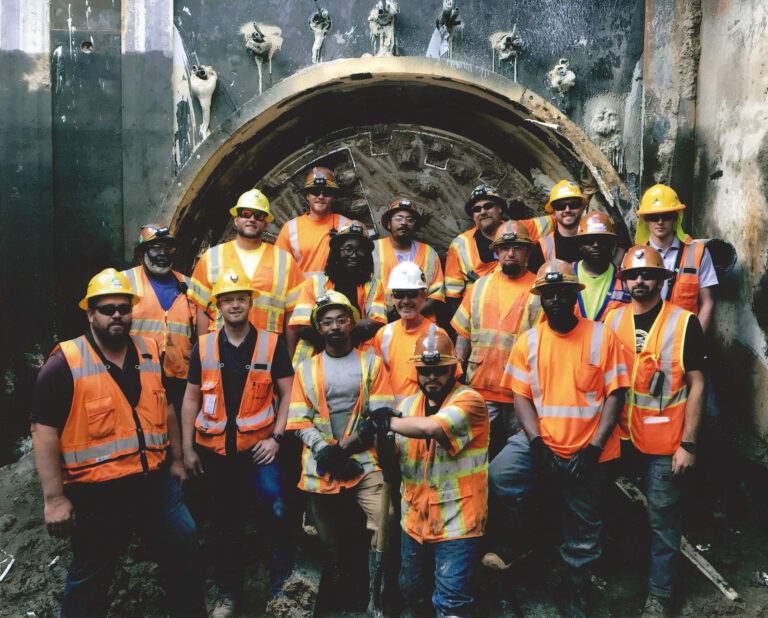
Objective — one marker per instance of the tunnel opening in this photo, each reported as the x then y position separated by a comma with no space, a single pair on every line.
389,127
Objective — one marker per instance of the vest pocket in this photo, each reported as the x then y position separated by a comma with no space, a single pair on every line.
101,417
450,512
685,293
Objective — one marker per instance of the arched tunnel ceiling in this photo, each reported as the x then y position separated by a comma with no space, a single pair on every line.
423,128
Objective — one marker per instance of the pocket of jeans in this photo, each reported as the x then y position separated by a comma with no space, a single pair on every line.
101,417
663,489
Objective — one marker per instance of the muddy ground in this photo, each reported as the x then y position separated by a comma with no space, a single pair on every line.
737,547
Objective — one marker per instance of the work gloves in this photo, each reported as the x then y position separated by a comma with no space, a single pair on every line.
375,422
333,460
543,456
584,462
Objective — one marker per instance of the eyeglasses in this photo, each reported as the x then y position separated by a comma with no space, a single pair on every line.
563,204
247,213
158,248
109,309
487,206
400,294
661,216
406,218
318,191
341,320
349,249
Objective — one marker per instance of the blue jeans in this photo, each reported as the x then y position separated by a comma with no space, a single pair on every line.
106,515
512,474
234,483
449,564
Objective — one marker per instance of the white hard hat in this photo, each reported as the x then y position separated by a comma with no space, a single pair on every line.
407,276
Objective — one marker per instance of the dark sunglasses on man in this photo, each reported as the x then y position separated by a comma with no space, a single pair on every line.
318,191
400,294
247,213
661,216
563,204
110,308
487,206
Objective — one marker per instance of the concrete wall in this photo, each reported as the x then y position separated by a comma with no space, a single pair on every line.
731,187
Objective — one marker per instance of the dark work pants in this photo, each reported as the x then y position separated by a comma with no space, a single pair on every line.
106,515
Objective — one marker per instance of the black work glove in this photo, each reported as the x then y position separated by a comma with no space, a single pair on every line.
347,470
330,458
380,418
584,462
543,456
365,431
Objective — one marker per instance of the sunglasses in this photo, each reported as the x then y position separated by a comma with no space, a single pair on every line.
479,207
563,204
647,275
318,191
109,310
661,216
439,370
166,248
400,294
247,213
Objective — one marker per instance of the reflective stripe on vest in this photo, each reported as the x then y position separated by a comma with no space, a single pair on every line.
293,238
547,244
104,437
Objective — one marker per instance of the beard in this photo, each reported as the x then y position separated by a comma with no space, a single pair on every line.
112,339
511,269
159,267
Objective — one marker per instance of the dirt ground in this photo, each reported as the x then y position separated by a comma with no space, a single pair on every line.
735,545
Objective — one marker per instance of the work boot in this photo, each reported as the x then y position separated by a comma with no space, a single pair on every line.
656,607
375,576
224,608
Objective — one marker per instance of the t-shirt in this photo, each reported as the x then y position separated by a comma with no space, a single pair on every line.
54,387
250,258
566,248
707,274
484,250
597,286
166,290
694,350
342,388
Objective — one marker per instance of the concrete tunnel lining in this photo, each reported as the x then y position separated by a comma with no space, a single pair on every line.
494,112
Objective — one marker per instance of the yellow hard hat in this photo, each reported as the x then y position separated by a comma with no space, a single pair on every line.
232,280
332,298
106,283
321,177
659,198
253,200
563,190
643,257
596,224
511,232
433,349
555,272
352,228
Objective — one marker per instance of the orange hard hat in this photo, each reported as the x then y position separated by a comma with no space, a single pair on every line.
643,257
511,232
556,272
433,349
398,205
352,228
321,177
596,224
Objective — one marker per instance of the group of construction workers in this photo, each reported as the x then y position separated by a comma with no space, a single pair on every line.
566,356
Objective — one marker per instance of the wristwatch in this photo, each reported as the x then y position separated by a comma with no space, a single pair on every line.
276,437
689,446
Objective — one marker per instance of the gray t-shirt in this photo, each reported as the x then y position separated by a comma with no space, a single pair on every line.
342,388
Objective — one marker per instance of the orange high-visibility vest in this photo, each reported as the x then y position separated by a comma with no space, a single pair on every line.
172,329
685,291
615,298
370,300
547,244
309,408
308,241
463,265
384,260
539,227
256,416
491,334
445,490
104,438
655,425
568,378
277,280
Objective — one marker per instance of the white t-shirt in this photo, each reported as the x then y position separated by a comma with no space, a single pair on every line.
707,274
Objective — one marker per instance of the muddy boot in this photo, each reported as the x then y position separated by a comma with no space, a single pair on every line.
656,607
375,574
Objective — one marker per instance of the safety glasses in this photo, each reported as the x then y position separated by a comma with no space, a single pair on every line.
480,207
318,191
109,309
400,294
247,213
563,204
661,216
647,275
439,370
